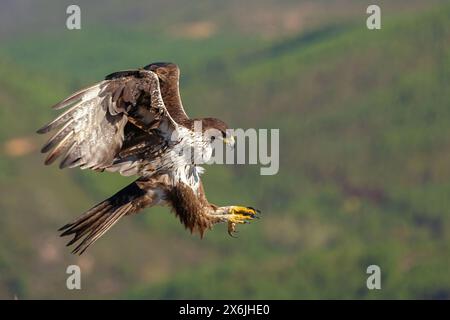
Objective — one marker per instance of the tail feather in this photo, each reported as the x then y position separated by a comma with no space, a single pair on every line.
85,218
95,222
102,228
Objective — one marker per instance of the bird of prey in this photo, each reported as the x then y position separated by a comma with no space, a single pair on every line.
134,123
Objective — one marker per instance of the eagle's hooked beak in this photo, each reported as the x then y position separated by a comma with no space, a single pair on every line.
229,141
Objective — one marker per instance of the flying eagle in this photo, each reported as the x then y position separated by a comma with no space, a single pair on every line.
134,123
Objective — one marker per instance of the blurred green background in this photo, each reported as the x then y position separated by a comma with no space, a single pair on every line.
364,148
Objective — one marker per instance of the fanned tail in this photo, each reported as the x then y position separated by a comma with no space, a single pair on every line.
95,222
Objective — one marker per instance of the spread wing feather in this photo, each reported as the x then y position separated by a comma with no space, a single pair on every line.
92,130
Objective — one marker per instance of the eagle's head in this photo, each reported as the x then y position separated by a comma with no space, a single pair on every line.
166,71
217,129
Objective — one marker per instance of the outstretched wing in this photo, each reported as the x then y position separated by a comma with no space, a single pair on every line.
109,120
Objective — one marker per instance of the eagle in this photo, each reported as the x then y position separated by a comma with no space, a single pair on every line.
133,122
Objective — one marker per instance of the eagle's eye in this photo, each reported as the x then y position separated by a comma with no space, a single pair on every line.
213,138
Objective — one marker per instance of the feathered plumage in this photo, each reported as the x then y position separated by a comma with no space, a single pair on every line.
134,123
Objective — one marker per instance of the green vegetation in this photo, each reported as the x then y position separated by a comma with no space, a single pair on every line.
364,166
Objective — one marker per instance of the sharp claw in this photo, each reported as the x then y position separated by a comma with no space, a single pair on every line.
231,229
232,235
255,210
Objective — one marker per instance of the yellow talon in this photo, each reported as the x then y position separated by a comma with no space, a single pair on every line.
244,213
232,229
240,215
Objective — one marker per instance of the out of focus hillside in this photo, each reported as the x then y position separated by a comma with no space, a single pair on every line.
364,150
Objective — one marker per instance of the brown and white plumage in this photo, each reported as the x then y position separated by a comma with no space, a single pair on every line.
92,131
134,123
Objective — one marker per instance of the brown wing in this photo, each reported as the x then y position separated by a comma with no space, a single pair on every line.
101,118
169,76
